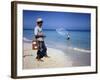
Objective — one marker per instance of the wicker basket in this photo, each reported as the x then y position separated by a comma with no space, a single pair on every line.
34,45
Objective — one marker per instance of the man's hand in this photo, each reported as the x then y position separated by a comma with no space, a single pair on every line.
41,35
38,36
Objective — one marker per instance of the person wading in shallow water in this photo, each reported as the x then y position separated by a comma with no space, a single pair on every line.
42,49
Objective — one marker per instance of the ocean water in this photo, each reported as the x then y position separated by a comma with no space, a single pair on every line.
79,40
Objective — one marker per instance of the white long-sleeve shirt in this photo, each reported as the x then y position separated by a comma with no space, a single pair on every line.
38,31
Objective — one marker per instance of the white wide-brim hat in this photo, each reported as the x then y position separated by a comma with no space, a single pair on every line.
39,20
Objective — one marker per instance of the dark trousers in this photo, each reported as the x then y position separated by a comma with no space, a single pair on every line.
42,50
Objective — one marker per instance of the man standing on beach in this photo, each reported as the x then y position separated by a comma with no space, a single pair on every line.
42,50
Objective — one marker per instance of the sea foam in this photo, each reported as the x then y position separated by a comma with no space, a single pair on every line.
79,49
26,40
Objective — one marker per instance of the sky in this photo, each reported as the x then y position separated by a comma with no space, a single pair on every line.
54,20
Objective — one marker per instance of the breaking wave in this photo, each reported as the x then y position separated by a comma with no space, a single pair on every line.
79,49
26,40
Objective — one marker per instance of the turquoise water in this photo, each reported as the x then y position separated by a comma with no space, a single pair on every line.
78,39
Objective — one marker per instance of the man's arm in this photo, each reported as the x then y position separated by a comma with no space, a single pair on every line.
35,31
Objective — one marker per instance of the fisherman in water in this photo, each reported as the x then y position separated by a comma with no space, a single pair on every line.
42,49
68,36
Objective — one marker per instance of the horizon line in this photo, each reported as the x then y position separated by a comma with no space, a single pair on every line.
55,29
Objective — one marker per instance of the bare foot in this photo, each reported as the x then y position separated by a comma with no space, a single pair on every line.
40,60
47,56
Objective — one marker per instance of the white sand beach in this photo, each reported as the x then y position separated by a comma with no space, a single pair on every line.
57,58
